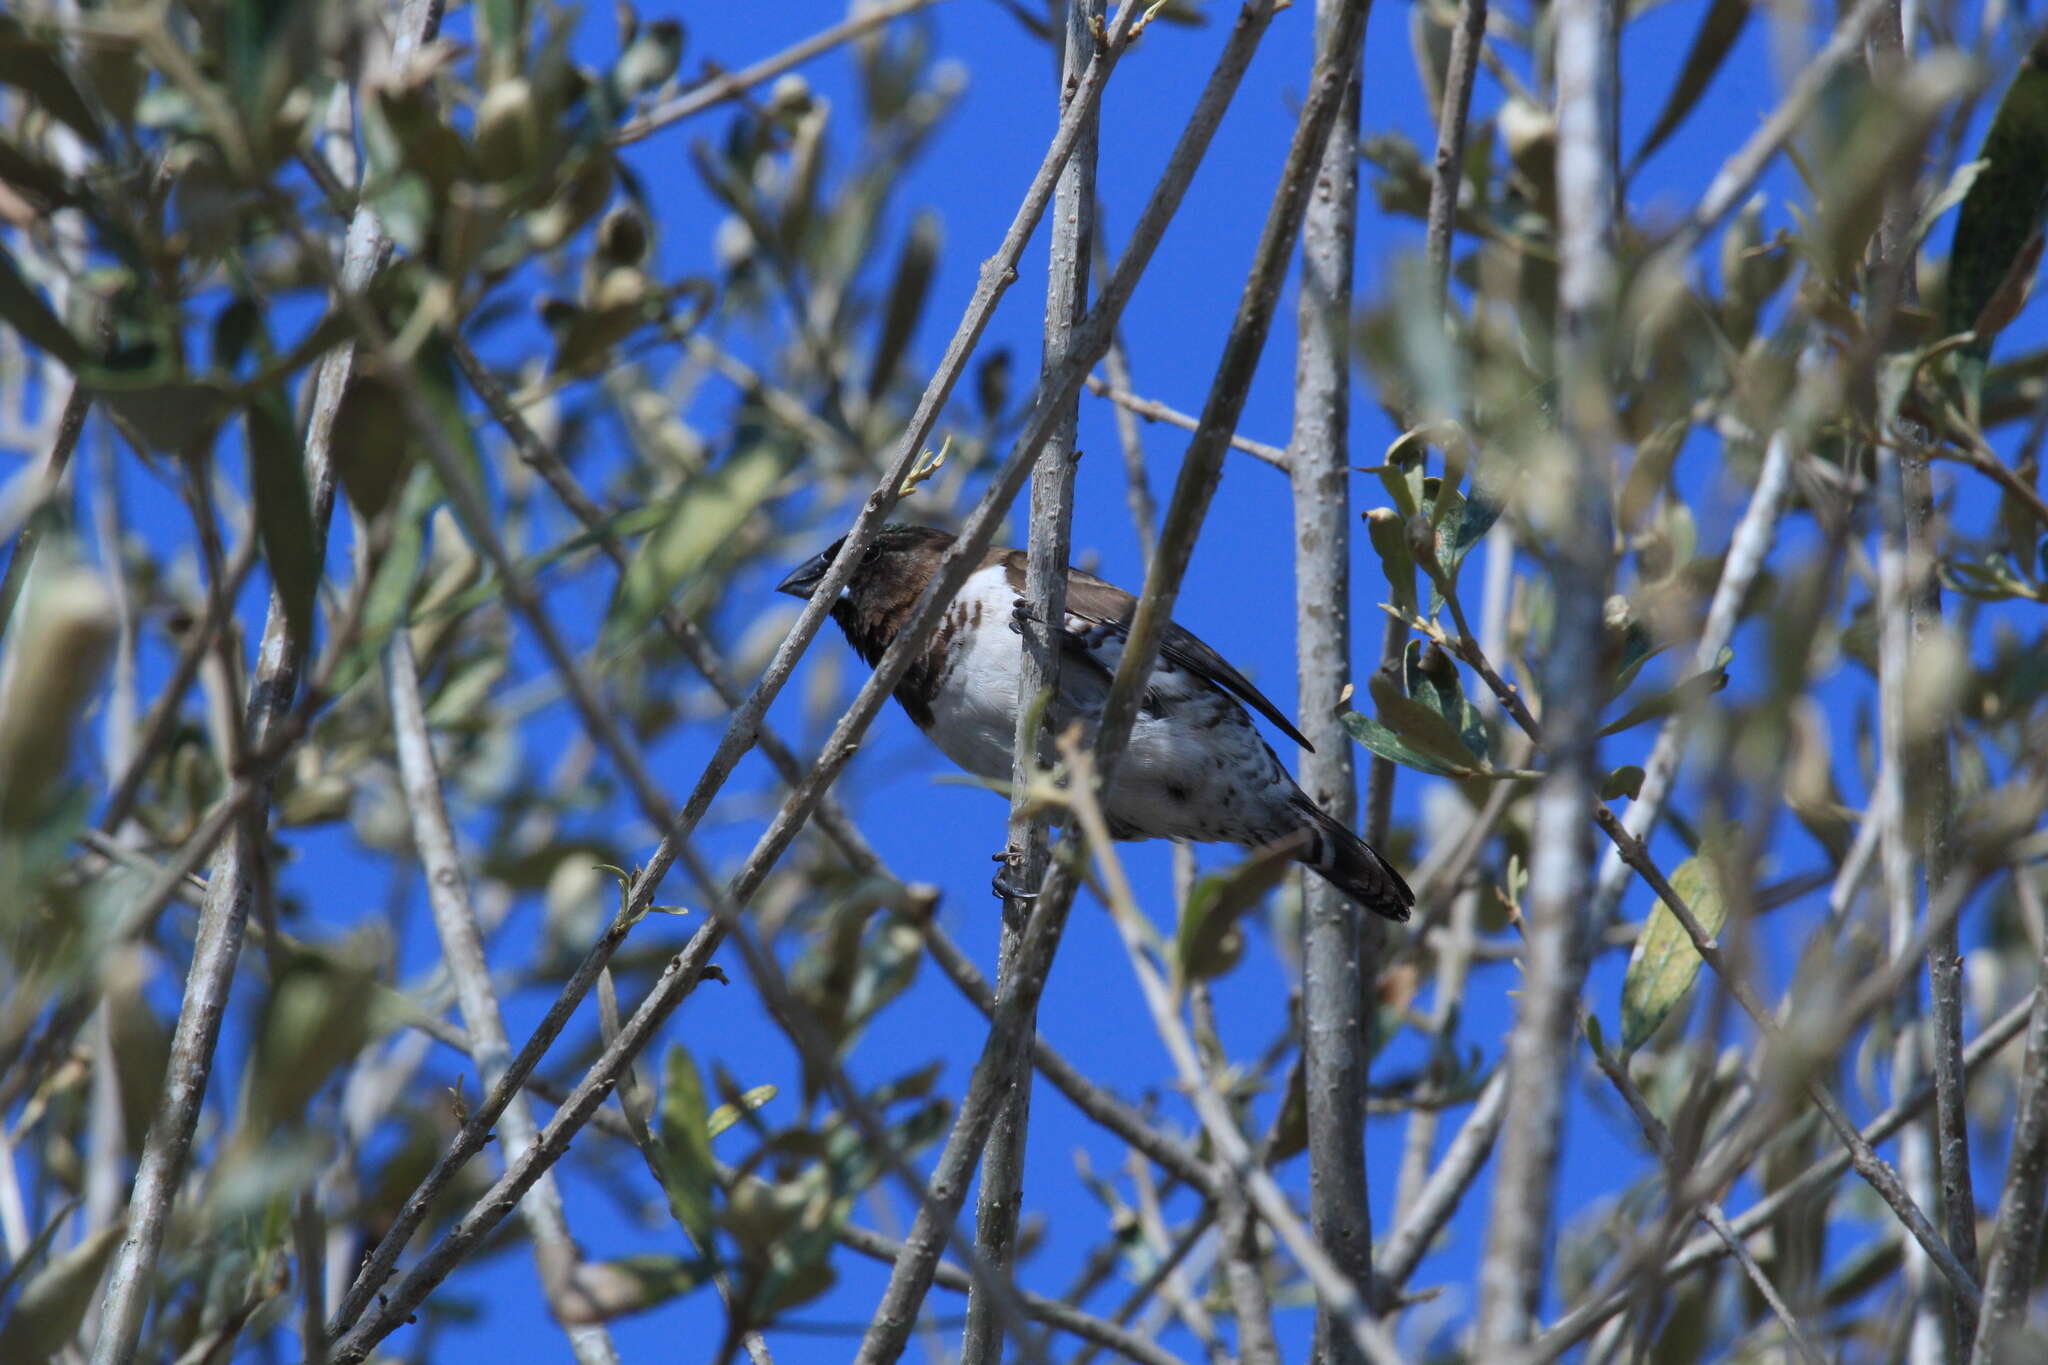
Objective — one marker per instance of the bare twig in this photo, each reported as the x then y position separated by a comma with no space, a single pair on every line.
1052,1312
1739,173
1244,1267
1445,1189
1895,860
1337,951
1540,1048
1341,1295
1747,548
462,950
1704,1250
1448,169
1154,411
733,84
1446,173
1710,1212
1137,483
894,1315
1169,1154
2016,1247
1041,629
1876,1172
685,970
1934,788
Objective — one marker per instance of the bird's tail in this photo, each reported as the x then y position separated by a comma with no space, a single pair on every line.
1348,863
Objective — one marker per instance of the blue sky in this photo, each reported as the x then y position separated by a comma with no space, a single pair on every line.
1238,596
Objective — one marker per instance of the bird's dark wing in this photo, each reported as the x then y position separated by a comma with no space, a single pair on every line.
1095,606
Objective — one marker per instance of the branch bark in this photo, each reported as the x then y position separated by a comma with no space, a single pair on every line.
462,950
1337,951
1540,1049
2016,1240
218,942
1045,597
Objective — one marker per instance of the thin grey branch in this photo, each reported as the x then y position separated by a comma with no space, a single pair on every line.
1708,1248
1001,1200
1540,1049
462,951
1447,170
1154,411
1445,1189
1052,1312
733,84
1338,952
2015,1239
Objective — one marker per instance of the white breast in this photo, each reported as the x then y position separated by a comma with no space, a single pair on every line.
974,712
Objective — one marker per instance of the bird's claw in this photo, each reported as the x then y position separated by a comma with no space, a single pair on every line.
1002,885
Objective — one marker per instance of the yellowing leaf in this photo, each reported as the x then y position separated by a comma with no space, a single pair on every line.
1665,963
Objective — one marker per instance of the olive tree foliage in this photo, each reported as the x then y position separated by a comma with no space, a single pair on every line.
1710,545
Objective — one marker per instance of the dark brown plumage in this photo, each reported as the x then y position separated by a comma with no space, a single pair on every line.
1195,767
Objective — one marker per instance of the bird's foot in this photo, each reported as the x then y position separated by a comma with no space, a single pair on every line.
1004,883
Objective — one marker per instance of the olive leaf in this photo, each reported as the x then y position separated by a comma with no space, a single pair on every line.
1997,236
683,1147
1665,963
1208,942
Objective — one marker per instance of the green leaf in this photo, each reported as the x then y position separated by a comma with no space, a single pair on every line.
1697,688
700,521
1664,964
1461,523
1958,188
1432,679
908,290
54,1303
649,60
321,1012
726,1115
33,1252
687,1172
1290,1126
284,510
887,964
503,25
1638,647
1389,745
372,447
1719,28
2001,213
35,66
1623,781
23,309
1421,726
604,1290
1383,526
1208,942
992,384
389,602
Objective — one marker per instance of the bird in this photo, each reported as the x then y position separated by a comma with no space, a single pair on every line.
1195,769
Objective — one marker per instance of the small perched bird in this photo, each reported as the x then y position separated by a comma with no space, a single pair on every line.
1195,767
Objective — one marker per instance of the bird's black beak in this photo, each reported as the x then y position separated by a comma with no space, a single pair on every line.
808,575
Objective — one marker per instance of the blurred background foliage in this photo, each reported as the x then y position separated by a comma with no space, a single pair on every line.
177,184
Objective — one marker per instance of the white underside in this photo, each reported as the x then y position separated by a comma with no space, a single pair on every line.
1195,767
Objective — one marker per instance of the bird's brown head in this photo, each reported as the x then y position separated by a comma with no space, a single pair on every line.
885,585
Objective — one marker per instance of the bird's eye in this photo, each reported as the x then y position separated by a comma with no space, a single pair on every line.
871,554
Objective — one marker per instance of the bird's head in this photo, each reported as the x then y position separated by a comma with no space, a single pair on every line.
897,563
